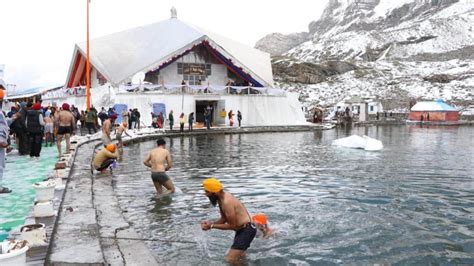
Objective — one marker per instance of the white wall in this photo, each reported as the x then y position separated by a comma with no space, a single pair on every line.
377,107
257,110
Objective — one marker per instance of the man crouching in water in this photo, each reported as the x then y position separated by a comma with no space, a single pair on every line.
156,160
105,158
234,216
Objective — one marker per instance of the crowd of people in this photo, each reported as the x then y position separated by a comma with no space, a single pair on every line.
31,126
158,120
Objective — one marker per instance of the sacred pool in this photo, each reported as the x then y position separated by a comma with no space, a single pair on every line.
411,203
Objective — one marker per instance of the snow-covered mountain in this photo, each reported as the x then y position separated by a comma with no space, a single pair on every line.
397,49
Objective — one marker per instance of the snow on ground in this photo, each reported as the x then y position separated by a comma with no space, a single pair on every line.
394,81
385,6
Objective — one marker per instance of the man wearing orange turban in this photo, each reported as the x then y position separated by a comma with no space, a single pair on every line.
261,221
234,216
105,158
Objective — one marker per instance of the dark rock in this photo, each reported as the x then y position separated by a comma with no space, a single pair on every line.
440,78
308,73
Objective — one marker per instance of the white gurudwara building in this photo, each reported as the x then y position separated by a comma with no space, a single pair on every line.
172,65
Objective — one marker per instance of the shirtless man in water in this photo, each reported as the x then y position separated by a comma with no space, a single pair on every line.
234,216
106,128
122,129
66,125
156,160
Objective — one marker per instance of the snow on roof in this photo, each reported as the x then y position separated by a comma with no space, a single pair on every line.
30,92
121,55
432,106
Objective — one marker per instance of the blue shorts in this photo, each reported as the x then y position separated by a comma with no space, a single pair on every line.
244,237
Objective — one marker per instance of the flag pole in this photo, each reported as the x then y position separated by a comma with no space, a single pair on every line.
88,71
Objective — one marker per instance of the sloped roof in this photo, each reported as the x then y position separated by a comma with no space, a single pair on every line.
119,56
30,92
437,106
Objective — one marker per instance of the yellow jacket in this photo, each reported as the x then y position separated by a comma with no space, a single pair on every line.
103,155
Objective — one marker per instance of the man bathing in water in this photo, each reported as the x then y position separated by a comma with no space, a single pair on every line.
234,216
261,222
156,160
122,129
106,128
105,158
66,126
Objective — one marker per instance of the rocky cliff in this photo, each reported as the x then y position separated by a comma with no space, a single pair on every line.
404,48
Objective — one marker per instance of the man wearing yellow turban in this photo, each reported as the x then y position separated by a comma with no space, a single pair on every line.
234,216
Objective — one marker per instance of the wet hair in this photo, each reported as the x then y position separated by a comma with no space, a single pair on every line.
160,142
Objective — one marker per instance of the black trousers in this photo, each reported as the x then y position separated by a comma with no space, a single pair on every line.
23,143
106,164
90,126
36,139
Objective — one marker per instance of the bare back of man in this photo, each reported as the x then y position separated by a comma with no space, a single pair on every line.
234,216
48,130
159,160
66,125
120,130
234,212
106,127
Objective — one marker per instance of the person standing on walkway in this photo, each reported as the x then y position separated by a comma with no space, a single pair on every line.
35,128
160,121
4,133
231,118
102,116
234,216
137,115
159,160
239,117
133,119
82,120
66,128
171,119
182,121
48,129
91,120
18,127
191,121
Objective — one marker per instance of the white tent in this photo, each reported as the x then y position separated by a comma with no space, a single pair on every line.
121,55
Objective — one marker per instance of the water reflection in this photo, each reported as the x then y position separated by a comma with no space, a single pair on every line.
410,203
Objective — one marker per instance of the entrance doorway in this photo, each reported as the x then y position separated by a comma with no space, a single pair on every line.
201,106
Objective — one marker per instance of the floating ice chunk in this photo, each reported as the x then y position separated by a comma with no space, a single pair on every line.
358,142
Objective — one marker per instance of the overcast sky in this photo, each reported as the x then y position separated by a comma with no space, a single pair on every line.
38,36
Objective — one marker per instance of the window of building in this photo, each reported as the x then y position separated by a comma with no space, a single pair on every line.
193,73
371,108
